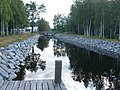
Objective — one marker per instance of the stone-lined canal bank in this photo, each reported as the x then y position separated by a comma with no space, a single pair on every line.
13,55
107,48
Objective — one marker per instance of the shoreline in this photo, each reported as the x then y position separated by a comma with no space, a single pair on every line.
103,47
13,55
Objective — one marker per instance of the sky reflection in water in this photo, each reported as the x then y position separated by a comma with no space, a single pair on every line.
82,69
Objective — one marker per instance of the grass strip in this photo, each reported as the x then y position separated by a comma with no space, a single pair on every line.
92,37
4,41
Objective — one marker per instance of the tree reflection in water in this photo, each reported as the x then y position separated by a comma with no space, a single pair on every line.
21,74
34,62
43,43
91,68
59,48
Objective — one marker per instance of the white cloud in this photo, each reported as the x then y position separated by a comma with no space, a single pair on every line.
53,7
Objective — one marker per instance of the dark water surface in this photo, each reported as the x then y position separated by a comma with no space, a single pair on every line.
82,69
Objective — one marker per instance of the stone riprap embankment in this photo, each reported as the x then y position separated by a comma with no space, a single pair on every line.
13,55
107,48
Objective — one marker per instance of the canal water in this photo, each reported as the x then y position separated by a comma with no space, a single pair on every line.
81,69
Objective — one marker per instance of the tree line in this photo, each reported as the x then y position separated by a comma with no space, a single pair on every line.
43,25
91,18
33,13
12,16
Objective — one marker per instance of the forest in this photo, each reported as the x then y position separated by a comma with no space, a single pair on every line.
14,15
99,18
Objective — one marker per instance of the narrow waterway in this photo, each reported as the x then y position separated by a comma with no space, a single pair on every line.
81,68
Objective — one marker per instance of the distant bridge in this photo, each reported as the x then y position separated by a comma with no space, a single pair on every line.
49,33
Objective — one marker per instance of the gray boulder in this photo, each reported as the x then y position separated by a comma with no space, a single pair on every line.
3,73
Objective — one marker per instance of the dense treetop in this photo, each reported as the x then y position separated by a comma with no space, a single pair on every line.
33,12
43,25
12,16
91,18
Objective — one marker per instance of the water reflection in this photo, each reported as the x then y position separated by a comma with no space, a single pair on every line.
93,69
88,68
21,74
42,43
32,64
59,48
33,61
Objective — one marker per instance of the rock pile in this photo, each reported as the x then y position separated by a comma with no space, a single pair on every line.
12,56
107,48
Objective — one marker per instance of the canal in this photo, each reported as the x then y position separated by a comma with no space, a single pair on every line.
81,69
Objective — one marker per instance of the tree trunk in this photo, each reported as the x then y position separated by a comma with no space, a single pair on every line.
2,28
115,31
96,31
84,32
32,27
103,31
32,23
110,33
110,36
90,27
78,32
87,30
17,28
10,31
78,28
13,29
119,31
103,26
84,29
6,29
100,33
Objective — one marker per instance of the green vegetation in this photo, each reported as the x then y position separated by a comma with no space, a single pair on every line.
99,18
91,37
4,41
12,16
33,12
43,25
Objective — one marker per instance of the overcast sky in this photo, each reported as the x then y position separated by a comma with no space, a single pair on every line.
53,7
